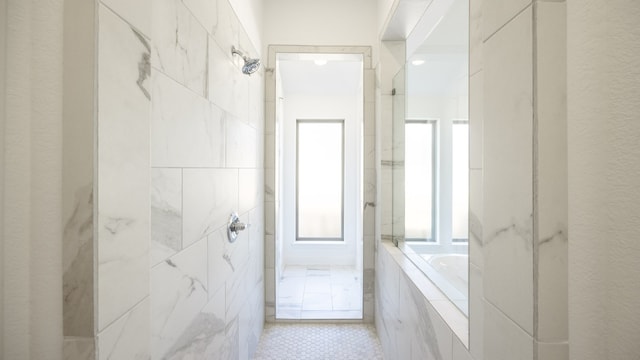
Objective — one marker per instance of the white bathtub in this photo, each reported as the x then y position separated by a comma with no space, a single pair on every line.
453,268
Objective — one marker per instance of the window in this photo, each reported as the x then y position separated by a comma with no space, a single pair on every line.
419,179
319,179
460,182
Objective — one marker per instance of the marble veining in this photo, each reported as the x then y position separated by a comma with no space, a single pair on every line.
78,266
417,323
475,228
144,65
127,337
180,45
166,213
203,337
123,171
179,291
116,225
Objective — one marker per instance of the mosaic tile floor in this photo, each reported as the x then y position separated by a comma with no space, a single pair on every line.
319,292
319,342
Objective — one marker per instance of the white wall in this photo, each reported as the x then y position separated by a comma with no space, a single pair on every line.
31,216
604,198
322,107
331,22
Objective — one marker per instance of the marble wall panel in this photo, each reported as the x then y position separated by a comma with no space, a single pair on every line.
79,348
241,144
386,304
128,336
227,29
136,13
496,13
476,113
476,313
187,130
476,213
179,291
552,193
219,263
179,45
166,213
204,337
429,336
228,86
249,193
504,339
78,273
475,36
206,11
123,171
508,170
256,101
209,197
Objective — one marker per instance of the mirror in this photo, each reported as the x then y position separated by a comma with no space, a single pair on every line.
431,152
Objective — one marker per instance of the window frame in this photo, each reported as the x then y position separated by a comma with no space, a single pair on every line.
342,175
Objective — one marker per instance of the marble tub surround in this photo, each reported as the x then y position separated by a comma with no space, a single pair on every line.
415,319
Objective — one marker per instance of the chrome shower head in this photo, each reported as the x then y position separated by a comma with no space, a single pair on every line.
250,65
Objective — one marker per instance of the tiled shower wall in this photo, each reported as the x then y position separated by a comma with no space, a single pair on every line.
207,294
179,138
518,198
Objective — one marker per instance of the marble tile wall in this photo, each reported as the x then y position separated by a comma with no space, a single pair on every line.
78,181
207,294
534,228
518,215
178,151
410,313
124,99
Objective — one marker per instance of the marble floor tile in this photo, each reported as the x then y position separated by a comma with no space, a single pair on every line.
319,292
319,341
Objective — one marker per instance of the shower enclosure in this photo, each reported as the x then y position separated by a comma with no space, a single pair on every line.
431,155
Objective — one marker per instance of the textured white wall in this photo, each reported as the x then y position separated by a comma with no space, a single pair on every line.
603,133
31,222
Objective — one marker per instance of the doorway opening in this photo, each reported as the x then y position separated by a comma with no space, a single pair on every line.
319,128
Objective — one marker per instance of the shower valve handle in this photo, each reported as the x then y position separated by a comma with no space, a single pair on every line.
234,227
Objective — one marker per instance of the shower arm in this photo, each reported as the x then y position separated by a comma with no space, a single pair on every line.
235,51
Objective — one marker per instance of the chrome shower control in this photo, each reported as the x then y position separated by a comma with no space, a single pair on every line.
234,227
